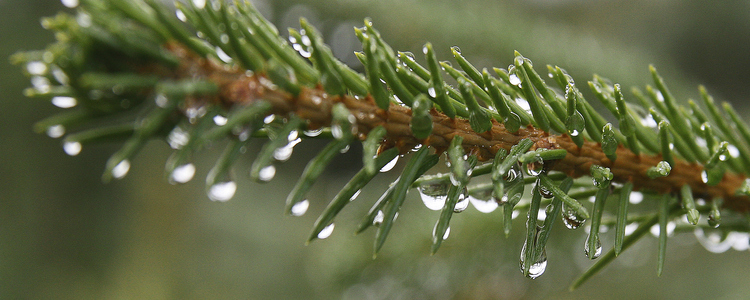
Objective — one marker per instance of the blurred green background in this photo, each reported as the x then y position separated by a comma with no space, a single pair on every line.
65,235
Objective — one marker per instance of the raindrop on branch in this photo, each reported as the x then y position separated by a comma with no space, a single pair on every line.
222,191
300,208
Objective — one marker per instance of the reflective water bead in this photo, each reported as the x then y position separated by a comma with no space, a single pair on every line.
597,251
300,208
64,101
389,166
434,195
55,131
220,120
121,169
70,3
538,267
222,191
72,148
267,173
570,218
378,218
326,232
183,173
462,204
36,68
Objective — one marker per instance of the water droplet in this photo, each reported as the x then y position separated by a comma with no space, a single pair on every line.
200,4
268,119
356,194
733,151
514,80
463,202
512,174
183,173
570,218
121,169
484,206
713,221
267,173
538,267
70,3
515,214
41,84
224,38
445,235
181,16
64,101
223,55
483,201
313,133
178,138
574,133
434,195
300,208
220,120
55,131
337,132
283,153
704,176
72,148
345,149
222,191
431,92
36,68
378,218
326,232
84,20
389,166
597,251
545,192
60,75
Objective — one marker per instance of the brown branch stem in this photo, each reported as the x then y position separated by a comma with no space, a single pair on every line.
314,105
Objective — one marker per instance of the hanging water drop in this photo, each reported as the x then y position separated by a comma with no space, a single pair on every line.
356,194
64,101
313,133
55,131
378,218
337,132
445,235
199,4
389,165
121,169
463,202
514,80
434,195
534,168
431,92
220,120
70,3
326,232
597,250
713,221
300,208
178,138
512,174
183,173
222,191
538,267
72,148
36,68
704,176
570,218
181,16
283,153
267,173
483,201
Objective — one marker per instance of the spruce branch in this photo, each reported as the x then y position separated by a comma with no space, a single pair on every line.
236,78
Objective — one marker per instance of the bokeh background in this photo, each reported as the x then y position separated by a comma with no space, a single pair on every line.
65,235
